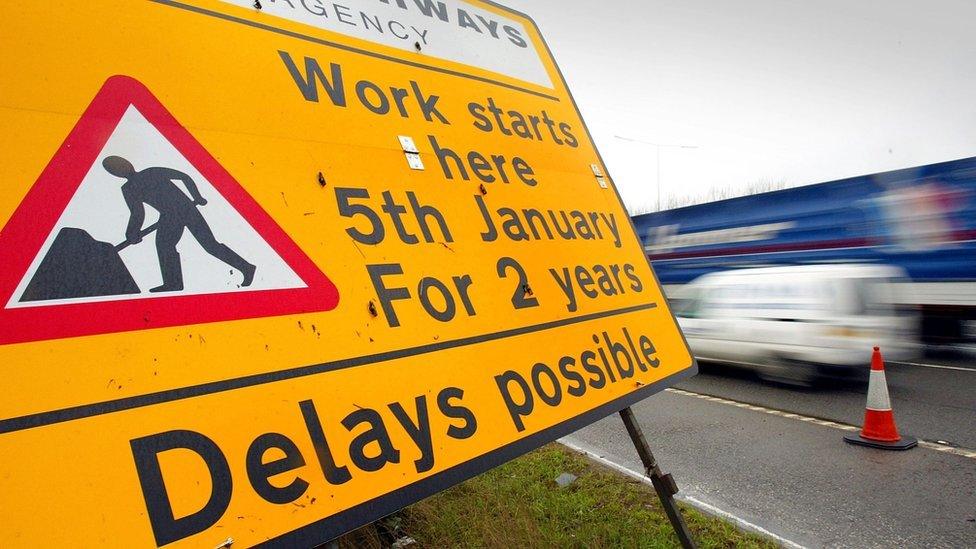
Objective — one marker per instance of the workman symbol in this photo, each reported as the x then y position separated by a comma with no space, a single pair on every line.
155,187
135,225
78,264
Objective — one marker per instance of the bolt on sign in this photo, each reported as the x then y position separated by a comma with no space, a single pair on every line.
275,269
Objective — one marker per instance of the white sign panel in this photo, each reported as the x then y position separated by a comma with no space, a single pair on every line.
448,29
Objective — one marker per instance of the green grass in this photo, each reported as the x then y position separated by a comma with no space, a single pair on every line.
519,505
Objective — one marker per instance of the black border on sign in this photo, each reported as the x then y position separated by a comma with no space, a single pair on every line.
693,367
323,42
332,527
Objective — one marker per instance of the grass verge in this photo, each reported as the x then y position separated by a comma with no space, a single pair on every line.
519,505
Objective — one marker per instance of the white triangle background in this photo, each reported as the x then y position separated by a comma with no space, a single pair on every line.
98,207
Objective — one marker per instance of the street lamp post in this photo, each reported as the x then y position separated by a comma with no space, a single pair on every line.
657,147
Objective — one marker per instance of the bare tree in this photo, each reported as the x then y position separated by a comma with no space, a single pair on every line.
715,194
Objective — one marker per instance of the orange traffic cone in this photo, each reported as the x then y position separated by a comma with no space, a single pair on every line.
879,429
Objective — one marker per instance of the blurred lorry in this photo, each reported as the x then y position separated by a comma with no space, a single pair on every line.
920,220
798,324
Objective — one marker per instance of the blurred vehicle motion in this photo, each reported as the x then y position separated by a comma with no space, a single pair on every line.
920,221
798,324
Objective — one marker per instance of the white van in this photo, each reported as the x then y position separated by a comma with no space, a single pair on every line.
797,324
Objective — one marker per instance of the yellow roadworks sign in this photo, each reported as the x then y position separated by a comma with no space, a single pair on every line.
274,269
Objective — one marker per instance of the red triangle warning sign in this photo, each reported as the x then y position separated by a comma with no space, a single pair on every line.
134,225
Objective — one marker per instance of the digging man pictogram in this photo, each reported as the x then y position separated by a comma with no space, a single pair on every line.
155,187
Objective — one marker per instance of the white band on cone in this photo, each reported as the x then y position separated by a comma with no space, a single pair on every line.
878,392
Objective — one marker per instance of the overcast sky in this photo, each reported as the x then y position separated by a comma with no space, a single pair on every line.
801,91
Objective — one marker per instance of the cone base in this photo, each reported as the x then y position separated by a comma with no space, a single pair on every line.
904,443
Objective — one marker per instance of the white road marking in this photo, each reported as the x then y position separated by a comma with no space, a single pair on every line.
707,508
971,454
939,366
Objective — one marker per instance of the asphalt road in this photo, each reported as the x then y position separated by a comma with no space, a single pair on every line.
930,400
780,467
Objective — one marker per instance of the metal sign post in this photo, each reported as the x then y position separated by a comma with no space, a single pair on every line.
664,483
